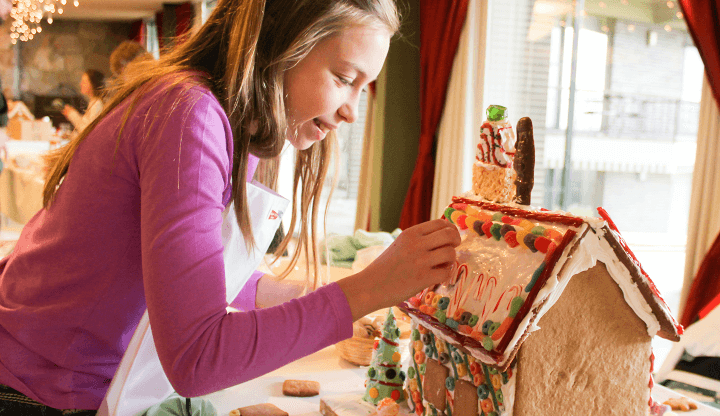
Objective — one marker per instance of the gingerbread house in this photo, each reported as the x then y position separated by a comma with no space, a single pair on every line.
548,313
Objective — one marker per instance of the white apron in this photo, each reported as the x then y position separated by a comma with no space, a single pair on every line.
140,381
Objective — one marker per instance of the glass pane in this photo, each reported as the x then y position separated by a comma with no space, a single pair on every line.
634,110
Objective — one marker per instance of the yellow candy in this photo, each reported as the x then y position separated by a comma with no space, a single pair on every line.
470,221
471,359
462,371
418,345
413,385
454,216
435,301
373,393
525,224
520,237
496,380
396,357
472,211
440,345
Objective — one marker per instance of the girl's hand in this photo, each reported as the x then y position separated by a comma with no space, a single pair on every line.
421,256
271,292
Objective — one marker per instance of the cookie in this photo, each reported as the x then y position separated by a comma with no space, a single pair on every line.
264,409
682,404
301,388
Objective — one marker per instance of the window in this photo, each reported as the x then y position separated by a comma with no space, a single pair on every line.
631,118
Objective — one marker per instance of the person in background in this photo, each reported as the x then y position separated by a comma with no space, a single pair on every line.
92,86
133,212
126,52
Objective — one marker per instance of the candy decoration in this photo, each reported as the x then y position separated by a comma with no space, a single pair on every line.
443,303
515,305
486,326
502,329
386,364
415,334
444,358
473,320
451,323
497,217
538,230
487,343
440,316
511,239
477,227
411,372
535,276
524,162
450,383
415,302
506,228
529,241
495,231
506,220
541,244
495,112
493,327
448,212
486,229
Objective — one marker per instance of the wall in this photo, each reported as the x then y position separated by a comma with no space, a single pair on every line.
397,122
58,55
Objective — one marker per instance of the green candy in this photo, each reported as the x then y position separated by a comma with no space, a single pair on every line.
499,396
411,372
371,372
538,230
440,315
493,327
487,343
448,212
497,217
473,320
415,335
495,231
421,367
515,306
496,113
450,383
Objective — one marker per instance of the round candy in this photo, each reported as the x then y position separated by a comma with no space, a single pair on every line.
397,332
473,320
475,368
451,323
402,375
529,241
440,315
492,370
426,339
495,231
411,372
487,406
483,392
499,396
419,357
538,230
488,343
418,345
421,368
396,357
429,297
373,393
457,357
506,228
478,379
448,212
415,335
486,326
429,350
465,318
435,300
497,217
493,327
444,358
395,395
371,372
450,383
443,303
390,373
462,371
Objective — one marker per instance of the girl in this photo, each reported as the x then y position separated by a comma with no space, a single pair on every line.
92,85
133,209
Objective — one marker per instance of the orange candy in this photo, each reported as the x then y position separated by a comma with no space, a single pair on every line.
487,405
502,329
419,357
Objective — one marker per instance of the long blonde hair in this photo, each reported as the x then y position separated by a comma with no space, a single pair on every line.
242,52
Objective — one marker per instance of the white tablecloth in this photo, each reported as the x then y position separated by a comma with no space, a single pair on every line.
20,192
336,376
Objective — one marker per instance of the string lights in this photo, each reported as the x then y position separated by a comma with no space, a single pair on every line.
28,14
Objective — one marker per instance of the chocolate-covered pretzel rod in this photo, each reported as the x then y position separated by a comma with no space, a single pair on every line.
524,161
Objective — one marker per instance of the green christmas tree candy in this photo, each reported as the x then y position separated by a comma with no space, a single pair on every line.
385,377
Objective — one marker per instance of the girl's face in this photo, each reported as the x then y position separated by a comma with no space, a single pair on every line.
324,88
85,86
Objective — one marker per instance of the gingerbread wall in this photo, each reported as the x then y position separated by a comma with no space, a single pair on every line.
590,356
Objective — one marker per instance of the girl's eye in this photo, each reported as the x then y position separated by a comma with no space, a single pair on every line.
345,81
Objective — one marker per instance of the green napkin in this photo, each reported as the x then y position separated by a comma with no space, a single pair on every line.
176,406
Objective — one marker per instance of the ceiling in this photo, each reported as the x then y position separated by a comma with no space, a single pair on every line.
113,9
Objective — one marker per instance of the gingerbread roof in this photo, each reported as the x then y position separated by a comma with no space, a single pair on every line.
513,264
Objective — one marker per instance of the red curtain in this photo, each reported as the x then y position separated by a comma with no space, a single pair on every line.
159,28
703,21
137,32
184,14
441,23
705,287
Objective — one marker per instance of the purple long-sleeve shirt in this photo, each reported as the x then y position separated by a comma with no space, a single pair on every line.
136,224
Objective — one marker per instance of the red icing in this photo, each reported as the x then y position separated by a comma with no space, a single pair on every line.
521,213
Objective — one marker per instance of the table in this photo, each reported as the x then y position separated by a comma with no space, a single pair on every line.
336,376
21,191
